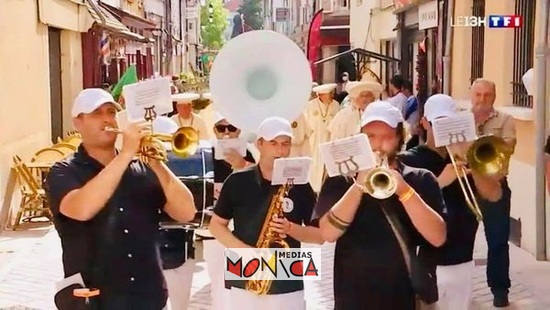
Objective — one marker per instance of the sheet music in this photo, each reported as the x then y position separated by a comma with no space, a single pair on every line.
295,168
222,145
141,96
348,155
456,129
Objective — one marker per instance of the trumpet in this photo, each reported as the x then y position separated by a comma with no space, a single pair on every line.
379,182
487,156
184,143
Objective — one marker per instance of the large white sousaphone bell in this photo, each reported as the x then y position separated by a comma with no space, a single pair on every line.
259,74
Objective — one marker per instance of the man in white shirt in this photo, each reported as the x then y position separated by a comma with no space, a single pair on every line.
346,123
319,112
186,117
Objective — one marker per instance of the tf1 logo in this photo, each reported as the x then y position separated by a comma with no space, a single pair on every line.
492,21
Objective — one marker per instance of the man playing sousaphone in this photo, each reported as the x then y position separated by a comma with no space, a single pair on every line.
246,197
456,267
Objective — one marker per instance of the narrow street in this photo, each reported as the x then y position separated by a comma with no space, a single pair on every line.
30,264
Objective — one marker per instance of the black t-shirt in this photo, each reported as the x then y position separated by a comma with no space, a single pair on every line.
245,197
222,169
117,250
369,268
547,146
461,222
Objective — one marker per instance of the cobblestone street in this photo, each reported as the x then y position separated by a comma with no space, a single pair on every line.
30,264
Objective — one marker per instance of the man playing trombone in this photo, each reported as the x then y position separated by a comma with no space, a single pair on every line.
106,205
377,238
455,258
496,219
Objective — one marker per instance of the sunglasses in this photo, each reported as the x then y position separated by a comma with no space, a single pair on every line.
222,128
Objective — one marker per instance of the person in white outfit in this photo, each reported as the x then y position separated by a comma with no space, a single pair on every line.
186,116
319,112
347,121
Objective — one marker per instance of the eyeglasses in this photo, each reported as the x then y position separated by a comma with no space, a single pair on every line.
222,128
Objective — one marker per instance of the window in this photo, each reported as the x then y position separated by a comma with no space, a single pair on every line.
478,42
524,43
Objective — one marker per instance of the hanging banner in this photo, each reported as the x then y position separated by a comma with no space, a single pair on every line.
313,52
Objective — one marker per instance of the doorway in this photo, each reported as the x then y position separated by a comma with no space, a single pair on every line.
56,105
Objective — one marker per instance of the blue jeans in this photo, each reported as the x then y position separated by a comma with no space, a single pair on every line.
496,219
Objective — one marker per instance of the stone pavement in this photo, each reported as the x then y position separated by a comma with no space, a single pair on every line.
30,265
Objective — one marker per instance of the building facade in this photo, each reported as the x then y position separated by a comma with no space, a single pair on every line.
504,58
41,60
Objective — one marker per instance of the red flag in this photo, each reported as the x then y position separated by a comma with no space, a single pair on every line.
314,42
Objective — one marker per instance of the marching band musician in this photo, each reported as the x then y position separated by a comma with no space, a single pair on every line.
213,250
456,267
370,267
496,220
186,116
347,121
106,209
246,197
319,112
176,244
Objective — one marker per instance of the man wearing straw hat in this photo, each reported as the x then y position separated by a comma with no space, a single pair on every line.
319,112
185,115
346,123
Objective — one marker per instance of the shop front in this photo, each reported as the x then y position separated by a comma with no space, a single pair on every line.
420,44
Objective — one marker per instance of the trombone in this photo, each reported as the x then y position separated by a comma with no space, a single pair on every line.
487,156
184,143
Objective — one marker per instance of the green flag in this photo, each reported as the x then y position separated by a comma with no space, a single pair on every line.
129,77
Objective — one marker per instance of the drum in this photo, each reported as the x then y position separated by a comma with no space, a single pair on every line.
197,173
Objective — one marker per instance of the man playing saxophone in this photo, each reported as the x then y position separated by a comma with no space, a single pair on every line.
246,197
376,239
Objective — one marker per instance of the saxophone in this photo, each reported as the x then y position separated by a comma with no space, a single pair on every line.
270,239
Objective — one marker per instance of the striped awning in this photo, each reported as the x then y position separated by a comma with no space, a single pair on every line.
107,20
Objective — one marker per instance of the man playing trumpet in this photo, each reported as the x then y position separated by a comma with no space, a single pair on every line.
454,259
371,265
106,206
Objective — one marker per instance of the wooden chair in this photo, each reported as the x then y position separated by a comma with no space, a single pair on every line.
33,197
66,148
49,154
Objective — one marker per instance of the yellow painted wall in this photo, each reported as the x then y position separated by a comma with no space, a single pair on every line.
24,85
498,67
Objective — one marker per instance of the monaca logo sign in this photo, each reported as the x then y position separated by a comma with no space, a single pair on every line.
274,264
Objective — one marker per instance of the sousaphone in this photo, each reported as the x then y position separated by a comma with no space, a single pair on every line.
259,74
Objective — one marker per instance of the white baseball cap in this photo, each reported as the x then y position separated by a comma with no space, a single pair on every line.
164,125
382,111
272,127
90,99
439,105
217,117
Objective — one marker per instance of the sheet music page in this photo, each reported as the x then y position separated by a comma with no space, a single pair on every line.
152,94
456,129
237,144
348,155
295,168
